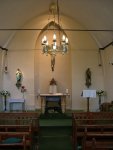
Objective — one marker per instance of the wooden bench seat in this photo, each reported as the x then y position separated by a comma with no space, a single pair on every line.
98,145
15,128
102,140
20,118
23,136
22,125
86,132
11,133
91,125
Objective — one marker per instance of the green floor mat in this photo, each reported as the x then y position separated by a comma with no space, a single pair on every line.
55,143
55,131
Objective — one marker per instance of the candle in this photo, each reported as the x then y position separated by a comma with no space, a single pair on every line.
67,91
38,91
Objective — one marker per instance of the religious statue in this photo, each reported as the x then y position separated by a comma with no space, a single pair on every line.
18,78
88,78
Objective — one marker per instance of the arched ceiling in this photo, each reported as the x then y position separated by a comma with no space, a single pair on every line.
93,15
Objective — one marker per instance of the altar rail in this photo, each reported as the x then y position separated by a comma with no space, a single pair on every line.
85,125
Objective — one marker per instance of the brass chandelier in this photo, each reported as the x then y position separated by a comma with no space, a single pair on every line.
58,43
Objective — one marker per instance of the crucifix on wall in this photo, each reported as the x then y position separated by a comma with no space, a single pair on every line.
52,62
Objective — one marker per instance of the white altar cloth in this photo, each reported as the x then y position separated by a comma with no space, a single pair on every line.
16,100
16,104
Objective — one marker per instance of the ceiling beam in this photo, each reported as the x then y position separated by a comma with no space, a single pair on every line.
103,48
4,49
76,30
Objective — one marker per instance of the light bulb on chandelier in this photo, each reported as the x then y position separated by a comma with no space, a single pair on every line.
54,48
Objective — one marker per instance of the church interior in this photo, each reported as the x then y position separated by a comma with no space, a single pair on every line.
56,69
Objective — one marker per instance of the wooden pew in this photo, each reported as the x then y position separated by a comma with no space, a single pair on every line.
18,123
97,136
102,145
20,118
90,120
21,133
77,118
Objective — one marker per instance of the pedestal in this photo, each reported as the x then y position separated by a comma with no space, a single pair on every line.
5,103
99,102
87,104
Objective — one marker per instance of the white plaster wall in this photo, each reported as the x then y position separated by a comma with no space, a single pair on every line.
1,63
36,68
24,61
25,54
108,78
1,77
84,54
80,62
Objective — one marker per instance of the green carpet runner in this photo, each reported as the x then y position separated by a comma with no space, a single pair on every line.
55,132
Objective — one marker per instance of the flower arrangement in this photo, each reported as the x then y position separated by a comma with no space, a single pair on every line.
100,92
5,93
53,82
23,89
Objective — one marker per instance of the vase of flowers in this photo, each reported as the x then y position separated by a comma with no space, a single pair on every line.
5,94
23,90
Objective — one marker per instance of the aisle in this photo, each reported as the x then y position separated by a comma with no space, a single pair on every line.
55,133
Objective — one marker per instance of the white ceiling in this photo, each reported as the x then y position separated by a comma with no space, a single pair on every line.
91,14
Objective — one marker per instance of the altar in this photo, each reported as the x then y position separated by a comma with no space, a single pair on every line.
59,98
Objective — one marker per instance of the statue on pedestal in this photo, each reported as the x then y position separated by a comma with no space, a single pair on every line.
18,78
88,78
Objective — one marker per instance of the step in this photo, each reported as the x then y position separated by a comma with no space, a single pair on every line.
55,122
